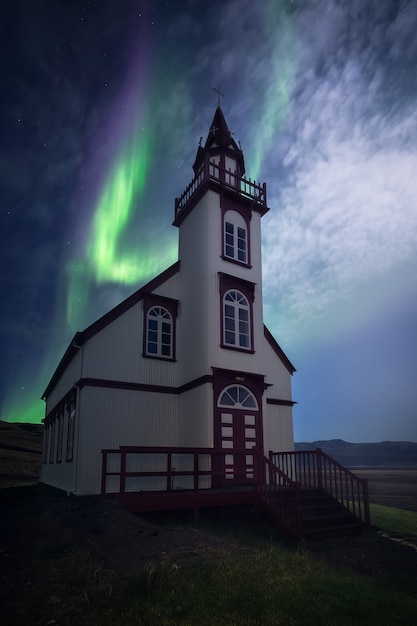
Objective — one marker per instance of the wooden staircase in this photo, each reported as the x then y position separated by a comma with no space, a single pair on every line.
322,515
322,499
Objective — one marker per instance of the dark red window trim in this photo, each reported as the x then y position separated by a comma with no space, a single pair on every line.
226,283
229,204
149,301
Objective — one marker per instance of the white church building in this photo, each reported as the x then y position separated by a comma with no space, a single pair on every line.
186,360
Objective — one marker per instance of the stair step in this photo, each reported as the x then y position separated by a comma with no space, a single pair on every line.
331,531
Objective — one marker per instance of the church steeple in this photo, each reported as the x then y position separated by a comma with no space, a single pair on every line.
219,145
219,166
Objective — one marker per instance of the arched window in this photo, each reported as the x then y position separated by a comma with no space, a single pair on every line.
238,397
235,237
159,332
236,320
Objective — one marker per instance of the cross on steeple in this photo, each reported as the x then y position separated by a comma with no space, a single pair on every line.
219,94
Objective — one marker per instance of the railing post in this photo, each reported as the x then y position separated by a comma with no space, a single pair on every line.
196,471
122,472
169,472
103,472
297,496
319,469
366,502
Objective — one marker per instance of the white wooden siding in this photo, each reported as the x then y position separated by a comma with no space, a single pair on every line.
113,418
115,353
60,475
69,377
278,428
195,417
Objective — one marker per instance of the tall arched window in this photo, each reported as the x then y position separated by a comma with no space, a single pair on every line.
236,320
159,333
235,237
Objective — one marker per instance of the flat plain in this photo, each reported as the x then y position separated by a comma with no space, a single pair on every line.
391,487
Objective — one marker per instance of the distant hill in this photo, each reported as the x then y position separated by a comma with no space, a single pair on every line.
20,453
385,454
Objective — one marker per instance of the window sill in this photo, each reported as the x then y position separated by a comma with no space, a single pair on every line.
235,261
225,346
156,357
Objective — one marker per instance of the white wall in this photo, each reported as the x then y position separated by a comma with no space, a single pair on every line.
115,417
278,428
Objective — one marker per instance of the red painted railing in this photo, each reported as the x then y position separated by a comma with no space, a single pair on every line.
134,469
213,172
314,468
280,493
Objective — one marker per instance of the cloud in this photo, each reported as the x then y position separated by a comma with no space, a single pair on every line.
344,183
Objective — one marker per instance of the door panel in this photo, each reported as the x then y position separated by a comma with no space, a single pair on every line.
238,428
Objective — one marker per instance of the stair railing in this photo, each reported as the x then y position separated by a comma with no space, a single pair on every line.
316,469
278,493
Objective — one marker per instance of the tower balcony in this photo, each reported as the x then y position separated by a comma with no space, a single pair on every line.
213,175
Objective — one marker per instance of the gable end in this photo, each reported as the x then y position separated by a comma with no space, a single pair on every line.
279,351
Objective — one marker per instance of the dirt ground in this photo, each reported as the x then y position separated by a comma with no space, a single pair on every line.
36,517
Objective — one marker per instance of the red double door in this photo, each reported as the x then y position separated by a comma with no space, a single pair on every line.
237,429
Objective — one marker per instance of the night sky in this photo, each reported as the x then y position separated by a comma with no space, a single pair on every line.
102,107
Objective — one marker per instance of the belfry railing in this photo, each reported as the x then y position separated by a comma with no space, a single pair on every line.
210,171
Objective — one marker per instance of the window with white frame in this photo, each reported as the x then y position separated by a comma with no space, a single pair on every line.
70,410
159,329
236,320
239,397
235,237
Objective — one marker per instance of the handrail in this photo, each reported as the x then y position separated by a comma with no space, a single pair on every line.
280,492
315,468
253,190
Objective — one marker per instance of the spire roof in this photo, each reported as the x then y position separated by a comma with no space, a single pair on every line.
220,141
219,133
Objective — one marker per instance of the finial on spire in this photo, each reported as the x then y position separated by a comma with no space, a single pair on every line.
219,94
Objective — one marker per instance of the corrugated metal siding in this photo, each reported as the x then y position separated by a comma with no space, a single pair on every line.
113,418
170,289
65,383
194,292
276,374
278,428
195,421
115,353
60,475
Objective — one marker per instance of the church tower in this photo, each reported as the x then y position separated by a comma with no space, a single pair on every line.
222,331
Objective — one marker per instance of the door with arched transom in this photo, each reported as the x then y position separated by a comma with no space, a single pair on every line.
238,429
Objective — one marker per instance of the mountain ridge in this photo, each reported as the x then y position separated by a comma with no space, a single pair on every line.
382,454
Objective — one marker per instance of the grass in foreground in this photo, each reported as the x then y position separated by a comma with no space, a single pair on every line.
279,585
393,521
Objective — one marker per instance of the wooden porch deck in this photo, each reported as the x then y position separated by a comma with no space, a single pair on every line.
314,494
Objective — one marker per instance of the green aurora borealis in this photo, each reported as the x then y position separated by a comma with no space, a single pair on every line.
113,251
